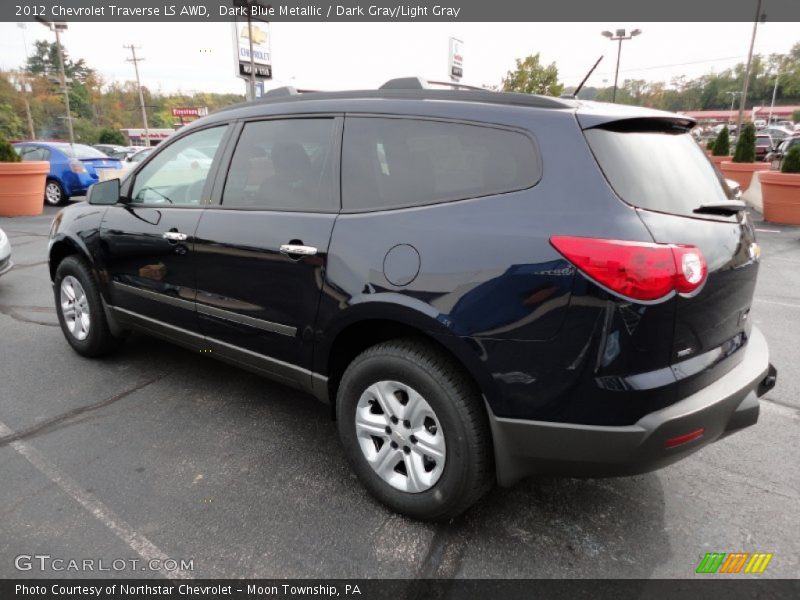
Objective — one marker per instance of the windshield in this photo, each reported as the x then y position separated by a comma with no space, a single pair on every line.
665,171
79,151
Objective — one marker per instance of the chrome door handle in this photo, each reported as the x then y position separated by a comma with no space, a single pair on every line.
174,236
297,249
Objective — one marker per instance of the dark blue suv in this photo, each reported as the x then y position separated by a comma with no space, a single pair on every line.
483,286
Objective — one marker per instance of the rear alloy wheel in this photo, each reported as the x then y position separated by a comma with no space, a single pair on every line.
53,193
414,428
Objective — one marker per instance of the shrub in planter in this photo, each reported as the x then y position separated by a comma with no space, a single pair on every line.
710,144
722,147
722,143
791,162
780,191
21,183
746,145
7,152
743,165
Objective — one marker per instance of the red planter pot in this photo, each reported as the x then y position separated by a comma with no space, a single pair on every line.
780,193
718,159
22,188
742,173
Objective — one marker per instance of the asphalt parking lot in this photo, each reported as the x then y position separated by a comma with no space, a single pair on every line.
162,453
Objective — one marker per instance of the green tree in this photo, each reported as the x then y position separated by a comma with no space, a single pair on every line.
746,145
796,116
111,136
531,77
11,125
722,145
44,61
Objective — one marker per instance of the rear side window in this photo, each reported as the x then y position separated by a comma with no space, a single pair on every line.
393,163
34,153
664,171
284,165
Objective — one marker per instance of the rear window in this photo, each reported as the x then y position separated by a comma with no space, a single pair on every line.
80,151
664,171
394,163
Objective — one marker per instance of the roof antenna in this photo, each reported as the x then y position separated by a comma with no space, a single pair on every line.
580,86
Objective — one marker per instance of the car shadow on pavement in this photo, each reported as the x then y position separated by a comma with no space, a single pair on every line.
542,527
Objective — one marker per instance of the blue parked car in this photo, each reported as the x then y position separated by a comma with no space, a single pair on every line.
73,167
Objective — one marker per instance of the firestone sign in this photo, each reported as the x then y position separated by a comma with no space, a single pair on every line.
190,112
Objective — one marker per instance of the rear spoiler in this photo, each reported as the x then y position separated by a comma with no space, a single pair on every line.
629,118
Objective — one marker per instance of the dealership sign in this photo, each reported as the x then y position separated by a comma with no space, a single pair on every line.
262,54
456,60
190,112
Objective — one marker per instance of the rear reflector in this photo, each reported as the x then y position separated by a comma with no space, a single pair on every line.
636,270
685,438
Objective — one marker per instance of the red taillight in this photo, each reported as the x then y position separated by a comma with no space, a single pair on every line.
77,166
637,270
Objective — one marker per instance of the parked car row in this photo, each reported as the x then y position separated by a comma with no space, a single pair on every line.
75,167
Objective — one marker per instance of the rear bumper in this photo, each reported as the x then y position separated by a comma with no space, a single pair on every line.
729,404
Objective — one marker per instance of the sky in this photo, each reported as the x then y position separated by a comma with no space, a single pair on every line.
330,56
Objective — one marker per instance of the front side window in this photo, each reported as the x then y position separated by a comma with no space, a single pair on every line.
177,175
393,163
284,164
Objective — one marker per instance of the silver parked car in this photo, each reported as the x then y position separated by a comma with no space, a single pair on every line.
5,253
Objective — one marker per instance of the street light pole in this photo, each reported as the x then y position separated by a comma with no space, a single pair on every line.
774,93
252,57
56,27
619,36
26,84
747,70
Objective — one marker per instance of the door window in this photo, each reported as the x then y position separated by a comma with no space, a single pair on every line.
177,175
284,165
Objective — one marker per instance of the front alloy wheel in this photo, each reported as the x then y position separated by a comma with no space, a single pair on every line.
75,308
400,436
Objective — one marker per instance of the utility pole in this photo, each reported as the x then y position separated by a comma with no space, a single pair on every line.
135,62
747,70
252,57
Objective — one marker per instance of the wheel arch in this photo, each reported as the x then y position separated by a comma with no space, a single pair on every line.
62,247
368,326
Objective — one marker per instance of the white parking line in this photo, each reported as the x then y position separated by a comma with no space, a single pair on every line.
778,303
136,541
769,230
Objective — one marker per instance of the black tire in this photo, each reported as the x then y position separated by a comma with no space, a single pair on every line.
54,194
468,470
99,340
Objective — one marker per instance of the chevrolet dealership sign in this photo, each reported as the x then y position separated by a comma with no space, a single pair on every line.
262,53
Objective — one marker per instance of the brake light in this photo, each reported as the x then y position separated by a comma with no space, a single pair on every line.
640,271
77,166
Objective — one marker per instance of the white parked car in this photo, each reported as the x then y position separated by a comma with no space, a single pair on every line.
5,253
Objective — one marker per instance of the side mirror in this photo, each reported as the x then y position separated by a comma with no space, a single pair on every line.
104,192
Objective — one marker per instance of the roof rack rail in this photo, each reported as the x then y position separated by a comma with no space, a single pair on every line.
418,83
